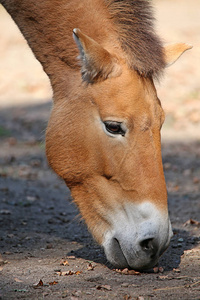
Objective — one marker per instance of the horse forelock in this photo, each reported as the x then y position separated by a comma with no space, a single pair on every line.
134,23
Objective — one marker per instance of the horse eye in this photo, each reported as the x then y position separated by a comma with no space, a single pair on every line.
114,127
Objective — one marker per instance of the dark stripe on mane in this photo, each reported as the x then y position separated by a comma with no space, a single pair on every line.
134,22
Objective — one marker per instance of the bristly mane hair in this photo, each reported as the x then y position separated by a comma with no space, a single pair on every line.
134,22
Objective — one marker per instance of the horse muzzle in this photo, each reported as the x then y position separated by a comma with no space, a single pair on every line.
138,236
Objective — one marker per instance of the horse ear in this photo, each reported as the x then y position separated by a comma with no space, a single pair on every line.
174,51
97,64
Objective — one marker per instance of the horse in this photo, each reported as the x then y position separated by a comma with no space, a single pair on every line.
103,136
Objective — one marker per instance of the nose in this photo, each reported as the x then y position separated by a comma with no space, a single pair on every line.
148,249
138,243
141,255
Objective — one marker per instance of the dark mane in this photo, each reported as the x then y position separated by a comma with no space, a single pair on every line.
134,22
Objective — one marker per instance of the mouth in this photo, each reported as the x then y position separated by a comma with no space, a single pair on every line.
115,255
119,255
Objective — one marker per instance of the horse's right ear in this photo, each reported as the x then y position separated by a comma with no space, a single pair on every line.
174,51
97,63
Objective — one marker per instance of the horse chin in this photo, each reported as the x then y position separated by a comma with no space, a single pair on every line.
139,236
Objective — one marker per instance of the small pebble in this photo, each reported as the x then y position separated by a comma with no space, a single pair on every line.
125,284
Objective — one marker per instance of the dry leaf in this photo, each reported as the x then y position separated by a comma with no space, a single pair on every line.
64,263
78,272
60,273
104,287
67,273
192,222
118,270
90,267
18,280
54,282
158,269
133,272
126,271
39,284
176,270
71,257
163,277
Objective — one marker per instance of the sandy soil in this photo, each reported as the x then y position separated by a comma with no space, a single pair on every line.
46,252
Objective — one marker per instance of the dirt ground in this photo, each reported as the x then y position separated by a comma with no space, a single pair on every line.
46,251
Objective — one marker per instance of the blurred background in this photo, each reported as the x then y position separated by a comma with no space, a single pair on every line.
179,91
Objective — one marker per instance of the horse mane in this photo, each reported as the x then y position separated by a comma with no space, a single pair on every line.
134,23
46,23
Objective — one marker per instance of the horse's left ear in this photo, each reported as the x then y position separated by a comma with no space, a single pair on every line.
97,63
174,51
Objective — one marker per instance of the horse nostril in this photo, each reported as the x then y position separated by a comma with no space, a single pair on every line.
147,244
150,246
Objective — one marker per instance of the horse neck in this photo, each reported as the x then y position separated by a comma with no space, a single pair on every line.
47,26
